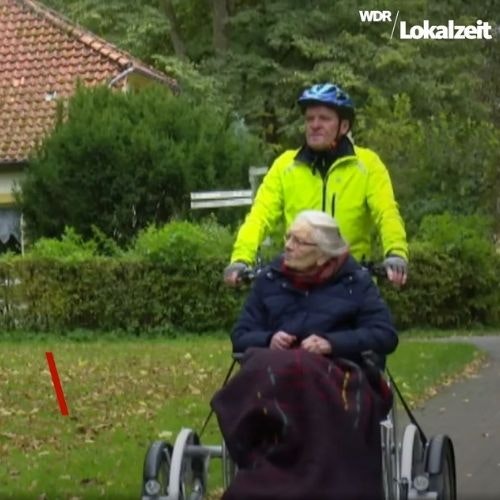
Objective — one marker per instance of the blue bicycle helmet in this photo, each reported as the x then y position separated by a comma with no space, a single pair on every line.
329,95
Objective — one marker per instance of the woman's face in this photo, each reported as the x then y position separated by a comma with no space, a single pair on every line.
301,251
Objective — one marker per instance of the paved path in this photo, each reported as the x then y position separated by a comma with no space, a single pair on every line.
469,412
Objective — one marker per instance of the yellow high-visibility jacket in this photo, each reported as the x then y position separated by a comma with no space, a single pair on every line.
356,190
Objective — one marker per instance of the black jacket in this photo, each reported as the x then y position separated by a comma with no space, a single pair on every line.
347,310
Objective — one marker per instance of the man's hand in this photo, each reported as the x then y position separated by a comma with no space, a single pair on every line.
316,344
282,341
397,270
233,273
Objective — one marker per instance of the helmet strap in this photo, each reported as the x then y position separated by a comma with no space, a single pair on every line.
338,136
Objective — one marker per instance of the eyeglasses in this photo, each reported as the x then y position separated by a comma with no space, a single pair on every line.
289,237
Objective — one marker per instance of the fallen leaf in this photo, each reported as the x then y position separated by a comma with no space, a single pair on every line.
9,435
194,390
165,434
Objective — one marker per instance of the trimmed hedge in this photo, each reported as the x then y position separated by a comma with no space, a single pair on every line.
171,279
110,294
444,291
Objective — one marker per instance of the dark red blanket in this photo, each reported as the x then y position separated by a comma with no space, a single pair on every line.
303,427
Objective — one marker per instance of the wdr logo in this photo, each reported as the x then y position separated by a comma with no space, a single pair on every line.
375,16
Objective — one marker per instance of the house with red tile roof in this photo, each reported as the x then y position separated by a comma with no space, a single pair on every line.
42,58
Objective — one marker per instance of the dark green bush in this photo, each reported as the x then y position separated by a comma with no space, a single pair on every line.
453,277
170,279
121,161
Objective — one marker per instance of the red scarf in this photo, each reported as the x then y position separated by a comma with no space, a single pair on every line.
319,274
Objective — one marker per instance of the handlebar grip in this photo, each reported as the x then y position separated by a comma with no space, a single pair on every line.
379,270
374,268
248,275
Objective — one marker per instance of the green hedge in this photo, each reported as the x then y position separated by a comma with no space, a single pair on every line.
446,292
171,279
453,275
109,294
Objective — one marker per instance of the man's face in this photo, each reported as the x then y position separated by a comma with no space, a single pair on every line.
323,127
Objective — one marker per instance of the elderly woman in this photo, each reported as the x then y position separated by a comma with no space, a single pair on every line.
316,297
301,418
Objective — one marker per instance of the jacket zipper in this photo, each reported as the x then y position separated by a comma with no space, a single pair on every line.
325,180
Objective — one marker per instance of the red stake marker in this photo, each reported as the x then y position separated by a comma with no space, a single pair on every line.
57,383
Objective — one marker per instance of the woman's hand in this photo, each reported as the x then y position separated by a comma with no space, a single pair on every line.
316,344
282,340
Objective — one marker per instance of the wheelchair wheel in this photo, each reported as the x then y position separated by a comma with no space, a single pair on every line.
390,457
412,459
156,470
440,465
229,468
187,472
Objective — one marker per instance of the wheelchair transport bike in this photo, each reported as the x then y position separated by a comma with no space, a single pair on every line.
413,465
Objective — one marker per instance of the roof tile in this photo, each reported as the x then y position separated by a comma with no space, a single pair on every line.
41,53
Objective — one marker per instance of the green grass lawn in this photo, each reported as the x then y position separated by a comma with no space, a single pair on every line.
122,394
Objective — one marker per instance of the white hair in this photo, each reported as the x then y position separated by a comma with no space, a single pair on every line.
325,232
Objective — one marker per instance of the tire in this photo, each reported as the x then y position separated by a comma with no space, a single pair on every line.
412,458
187,472
440,465
156,471
390,457
229,468
412,454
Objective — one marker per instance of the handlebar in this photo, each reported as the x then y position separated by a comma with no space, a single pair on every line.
376,269
249,274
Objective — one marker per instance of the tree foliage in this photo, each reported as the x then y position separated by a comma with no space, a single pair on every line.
430,107
120,162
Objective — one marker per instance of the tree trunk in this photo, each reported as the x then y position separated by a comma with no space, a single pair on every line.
175,37
219,21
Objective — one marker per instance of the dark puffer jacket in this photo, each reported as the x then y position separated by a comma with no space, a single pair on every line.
347,310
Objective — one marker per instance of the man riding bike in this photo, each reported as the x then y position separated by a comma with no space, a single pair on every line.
331,174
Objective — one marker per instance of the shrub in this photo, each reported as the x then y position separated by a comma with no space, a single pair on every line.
71,246
453,277
170,279
122,161
182,243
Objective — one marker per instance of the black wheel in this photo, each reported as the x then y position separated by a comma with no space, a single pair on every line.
156,472
440,465
229,467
